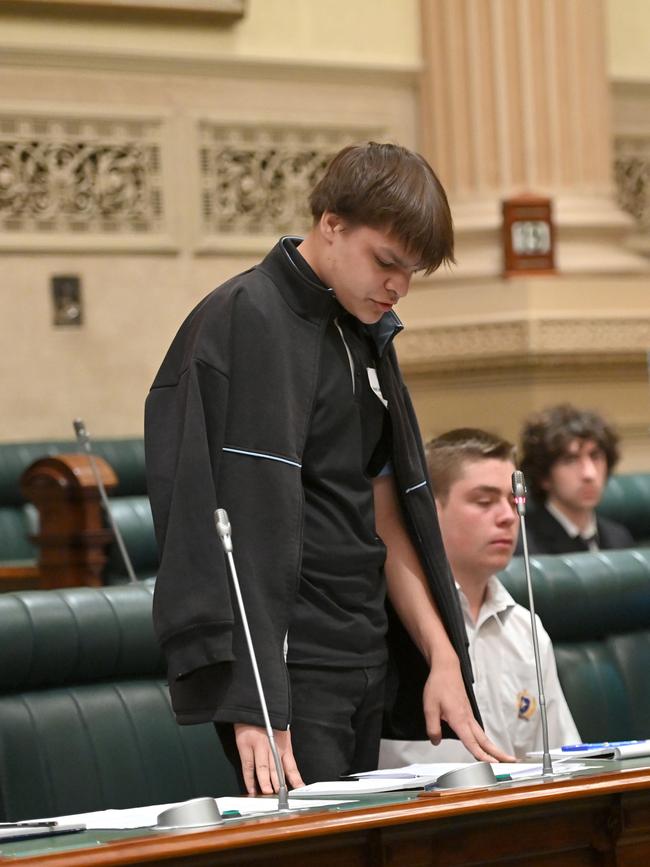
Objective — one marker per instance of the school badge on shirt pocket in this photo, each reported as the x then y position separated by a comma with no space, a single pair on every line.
526,705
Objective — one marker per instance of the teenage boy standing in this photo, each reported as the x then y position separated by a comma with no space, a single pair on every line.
281,401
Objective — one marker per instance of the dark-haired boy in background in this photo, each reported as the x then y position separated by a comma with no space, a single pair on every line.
567,455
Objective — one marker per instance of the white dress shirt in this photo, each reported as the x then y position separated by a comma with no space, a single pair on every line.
505,685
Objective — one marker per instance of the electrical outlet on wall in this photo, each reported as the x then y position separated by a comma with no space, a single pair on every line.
66,297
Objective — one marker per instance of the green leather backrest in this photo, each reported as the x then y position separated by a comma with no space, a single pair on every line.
627,500
16,524
126,456
135,522
129,503
596,609
85,718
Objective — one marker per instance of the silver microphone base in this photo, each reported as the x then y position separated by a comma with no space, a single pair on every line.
197,813
283,800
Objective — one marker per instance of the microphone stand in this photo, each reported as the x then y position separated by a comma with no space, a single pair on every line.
519,491
223,529
83,438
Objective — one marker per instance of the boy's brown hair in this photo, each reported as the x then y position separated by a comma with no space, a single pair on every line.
393,189
546,436
447,454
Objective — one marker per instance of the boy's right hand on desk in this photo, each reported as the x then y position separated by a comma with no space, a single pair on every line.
257,759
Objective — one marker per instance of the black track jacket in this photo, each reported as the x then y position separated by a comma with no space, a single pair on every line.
225,426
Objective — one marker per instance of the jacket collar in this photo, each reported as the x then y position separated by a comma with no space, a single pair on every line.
311,299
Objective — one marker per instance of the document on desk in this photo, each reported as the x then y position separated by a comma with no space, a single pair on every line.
634,749
418,776
502,770
147,817
373,783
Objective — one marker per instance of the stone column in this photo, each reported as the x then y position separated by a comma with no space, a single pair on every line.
515,99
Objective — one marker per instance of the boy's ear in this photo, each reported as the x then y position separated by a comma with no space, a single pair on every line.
331,224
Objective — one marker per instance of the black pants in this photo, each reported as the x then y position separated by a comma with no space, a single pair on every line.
336,717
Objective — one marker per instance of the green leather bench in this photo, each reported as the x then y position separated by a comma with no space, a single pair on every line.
129,503
596,608
85,718
627,500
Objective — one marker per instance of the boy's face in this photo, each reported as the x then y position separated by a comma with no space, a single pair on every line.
478,520
368,269
577,478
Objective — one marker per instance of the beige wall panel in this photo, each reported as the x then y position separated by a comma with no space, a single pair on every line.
364,31
628,36
501,401
487,353
133,304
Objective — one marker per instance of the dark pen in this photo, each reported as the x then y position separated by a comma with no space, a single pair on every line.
35,824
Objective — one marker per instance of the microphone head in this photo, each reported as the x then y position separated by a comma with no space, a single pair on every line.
518,484
222,523
80,431
519,491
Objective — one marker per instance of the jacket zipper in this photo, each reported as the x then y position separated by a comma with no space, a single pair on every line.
349,354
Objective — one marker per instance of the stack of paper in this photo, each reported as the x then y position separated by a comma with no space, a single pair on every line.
603,750
418,776
147,817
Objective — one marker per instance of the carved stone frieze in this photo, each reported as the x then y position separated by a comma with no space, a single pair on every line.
632,174
78,175
500,344
622,335
462,341
255,180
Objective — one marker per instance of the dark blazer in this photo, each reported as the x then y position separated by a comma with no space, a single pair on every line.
547,536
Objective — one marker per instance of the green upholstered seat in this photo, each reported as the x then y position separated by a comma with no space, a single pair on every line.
126,456
627,500
85,718
596,608
129,503
135,522
16,524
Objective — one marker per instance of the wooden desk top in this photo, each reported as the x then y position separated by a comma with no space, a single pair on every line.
582,820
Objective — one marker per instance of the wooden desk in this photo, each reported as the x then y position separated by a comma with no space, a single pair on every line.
602,819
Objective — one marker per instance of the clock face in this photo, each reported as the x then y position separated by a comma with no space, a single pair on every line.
530,237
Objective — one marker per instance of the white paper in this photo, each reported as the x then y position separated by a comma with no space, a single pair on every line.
147,817
516,770
523,771
614,750
418,770
365,786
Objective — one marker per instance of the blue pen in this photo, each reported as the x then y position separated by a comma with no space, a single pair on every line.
576,748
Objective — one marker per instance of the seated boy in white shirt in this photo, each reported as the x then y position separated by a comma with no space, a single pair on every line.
471,473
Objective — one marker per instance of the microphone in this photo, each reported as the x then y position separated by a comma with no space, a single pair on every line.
83,438
519,492
222,524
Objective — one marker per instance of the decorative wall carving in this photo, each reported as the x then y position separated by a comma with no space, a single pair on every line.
256,180
632,173
80,175
471,344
